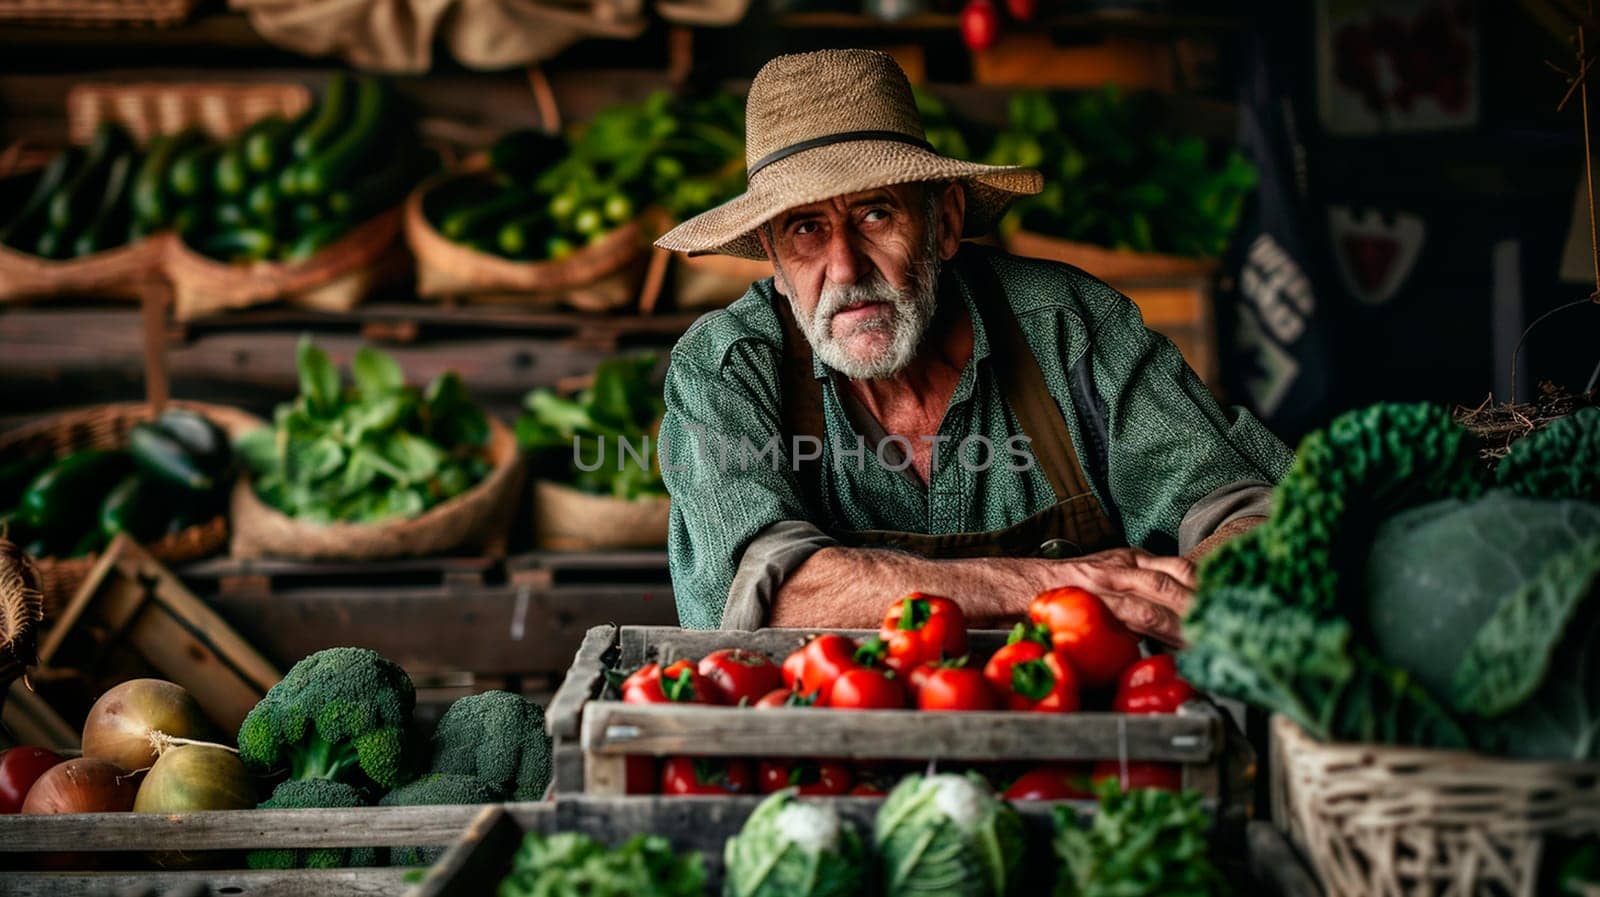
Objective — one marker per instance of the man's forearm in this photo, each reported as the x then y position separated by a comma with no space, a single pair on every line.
848,588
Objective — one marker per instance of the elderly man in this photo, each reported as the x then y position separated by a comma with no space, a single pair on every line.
951,419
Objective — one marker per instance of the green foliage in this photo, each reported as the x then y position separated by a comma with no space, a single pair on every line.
789,848
341,714
569,864
302,794
498,738
947,835
1466,626
1141,843
1116,175
432,790
623,406
376,451
1559,461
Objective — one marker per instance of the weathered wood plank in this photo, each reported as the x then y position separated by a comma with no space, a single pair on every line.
667,644
236,829
582,682
478,859
611,727
243,883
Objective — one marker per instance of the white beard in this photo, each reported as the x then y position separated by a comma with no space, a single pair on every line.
910,311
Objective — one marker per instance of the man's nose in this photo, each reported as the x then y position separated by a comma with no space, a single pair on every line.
845,259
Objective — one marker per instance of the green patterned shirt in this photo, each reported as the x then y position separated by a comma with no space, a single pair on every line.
1169,444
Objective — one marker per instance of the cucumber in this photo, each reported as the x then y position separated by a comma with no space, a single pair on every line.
61,502
288,181
150,192
159,454
262,201
306,214
193,170
134,506
266,143
244,244
522,237
231,216
230,175
23,230
110,225
523,155
16,474
54,244
334,163
74,204
323,128
470,221
315,239
203,440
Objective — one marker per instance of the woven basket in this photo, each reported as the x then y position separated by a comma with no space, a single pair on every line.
473,519
705,281
97,13
1379,821
124,272
567,519
148,109
601,277
335,279
106,427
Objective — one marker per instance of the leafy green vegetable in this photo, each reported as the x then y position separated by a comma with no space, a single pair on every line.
378,450
610,426
1116,175
1141,842
569,864
790,848
947,835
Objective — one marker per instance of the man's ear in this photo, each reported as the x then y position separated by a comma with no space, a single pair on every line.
778,280
952,218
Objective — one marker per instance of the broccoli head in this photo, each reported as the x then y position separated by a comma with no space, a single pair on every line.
338,713
298,794
498,737
434,789
1559,461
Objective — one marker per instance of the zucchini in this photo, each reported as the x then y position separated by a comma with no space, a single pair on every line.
244,244
265,143
150,208
54,244
134,506
324,127
230,175
474,220
315,240
334,163
159,454
110,225
74,204
376,191
192,172
262,201
23,230
231,216
16,474
522,237
288,181
60,502
306,214
196,434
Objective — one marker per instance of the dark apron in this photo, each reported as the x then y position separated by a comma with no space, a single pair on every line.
1075,525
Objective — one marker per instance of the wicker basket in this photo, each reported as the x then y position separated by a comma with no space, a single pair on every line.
566,519
97,13
335,279
124,272
106,427
705,281
1379,821
600,277
475,518
148,109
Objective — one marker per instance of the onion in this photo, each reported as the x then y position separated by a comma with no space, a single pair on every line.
83,785
196,777
121,723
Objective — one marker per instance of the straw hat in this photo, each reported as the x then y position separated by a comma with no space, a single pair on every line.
829,123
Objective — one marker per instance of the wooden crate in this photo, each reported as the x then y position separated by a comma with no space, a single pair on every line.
594,734
217,840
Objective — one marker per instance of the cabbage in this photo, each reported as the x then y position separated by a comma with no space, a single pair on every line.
789,847
948,835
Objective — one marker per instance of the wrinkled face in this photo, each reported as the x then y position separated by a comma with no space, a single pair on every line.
861,272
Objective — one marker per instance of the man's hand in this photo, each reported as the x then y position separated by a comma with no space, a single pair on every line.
1148,593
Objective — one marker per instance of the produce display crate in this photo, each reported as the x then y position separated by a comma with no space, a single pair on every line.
594,734
108,851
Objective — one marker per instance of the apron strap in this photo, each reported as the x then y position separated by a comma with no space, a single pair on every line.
801,393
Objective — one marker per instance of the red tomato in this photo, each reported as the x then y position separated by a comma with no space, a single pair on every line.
918,678
921,629
1141,774
956,688
828,777
783,697
1162,697
1050,782
739,676
20,767
1045,685
980,25
1021,10
1149,671
867,689
868,789
793,666
1085,632
678,683
705,775
826,657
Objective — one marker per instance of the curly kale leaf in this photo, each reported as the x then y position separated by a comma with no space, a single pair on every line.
1142,841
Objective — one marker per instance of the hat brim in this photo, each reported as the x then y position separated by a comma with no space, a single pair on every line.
839,169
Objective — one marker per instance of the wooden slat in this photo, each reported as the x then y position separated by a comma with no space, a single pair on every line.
236,829
1275,864
582,682
236,883
643,644
611,727
478,860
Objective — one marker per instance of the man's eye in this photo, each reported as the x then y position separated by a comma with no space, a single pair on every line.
875,215
805,227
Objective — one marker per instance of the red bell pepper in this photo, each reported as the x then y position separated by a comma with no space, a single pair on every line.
1085,632
921,629
1152,686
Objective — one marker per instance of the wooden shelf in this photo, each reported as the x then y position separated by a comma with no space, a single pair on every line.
218,30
